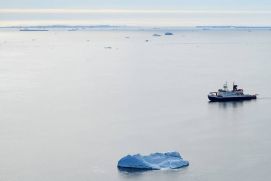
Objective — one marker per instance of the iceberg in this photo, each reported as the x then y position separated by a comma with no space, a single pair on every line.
168,33
156,35
154,161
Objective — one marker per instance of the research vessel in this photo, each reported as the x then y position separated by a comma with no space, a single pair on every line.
230,95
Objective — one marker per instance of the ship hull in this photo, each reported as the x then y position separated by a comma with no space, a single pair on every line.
233,98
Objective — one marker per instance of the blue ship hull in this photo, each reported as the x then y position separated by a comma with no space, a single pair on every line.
233,98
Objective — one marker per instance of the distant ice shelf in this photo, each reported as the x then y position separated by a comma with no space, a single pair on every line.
154,161
34,30
167,29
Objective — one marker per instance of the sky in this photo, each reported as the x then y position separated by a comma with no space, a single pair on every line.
142,4
136,12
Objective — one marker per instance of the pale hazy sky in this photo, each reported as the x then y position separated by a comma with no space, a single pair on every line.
136,12
142,4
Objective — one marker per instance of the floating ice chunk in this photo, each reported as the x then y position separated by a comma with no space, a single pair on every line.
154,161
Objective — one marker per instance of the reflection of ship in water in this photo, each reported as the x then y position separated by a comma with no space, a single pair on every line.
233,104
229,105
225,94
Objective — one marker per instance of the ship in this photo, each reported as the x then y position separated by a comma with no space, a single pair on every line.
225,94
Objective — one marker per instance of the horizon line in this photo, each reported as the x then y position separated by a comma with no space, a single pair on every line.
166,11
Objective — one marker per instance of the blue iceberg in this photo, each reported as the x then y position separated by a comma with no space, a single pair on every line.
154,161
168,33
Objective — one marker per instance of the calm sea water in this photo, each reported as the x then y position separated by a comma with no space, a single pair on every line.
71,108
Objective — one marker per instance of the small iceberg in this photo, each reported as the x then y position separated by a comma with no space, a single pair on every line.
156,35
73,29
168,33
154,161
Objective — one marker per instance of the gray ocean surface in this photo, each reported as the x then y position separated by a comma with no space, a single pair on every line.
71,106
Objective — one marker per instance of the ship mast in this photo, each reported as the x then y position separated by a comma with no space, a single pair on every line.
225,86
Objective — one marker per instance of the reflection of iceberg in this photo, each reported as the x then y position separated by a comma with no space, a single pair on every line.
108,47
155,161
